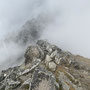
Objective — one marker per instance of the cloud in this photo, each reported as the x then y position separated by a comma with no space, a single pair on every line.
71,28
22,23
62,22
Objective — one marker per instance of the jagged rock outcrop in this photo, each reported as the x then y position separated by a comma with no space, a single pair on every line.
47,67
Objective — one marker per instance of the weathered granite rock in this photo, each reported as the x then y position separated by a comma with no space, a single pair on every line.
43,80
54,54
33,66
52,66
31,53
48,58
44,45
57,61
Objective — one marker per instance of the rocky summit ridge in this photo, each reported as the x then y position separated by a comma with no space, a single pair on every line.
47,67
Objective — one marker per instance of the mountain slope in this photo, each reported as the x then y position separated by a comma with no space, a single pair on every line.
47,67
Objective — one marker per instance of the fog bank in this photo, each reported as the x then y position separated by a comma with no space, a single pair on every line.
71,28
65,23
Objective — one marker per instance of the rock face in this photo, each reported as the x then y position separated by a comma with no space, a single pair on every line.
47,67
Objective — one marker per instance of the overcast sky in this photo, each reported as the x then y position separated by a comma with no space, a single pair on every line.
71,31
70,28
